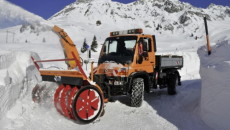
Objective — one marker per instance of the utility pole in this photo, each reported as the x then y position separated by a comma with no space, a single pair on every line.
7,35
13,36
207,37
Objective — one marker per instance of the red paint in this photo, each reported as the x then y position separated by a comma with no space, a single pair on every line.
57,98
87,104
64,101
70,101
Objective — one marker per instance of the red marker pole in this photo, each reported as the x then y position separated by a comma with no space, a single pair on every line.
207,37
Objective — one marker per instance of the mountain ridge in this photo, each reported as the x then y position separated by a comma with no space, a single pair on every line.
158,15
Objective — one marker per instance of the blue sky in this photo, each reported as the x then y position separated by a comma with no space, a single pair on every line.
46,8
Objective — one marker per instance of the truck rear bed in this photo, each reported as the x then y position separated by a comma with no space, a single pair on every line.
169,61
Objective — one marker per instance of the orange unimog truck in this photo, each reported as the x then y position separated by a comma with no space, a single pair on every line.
128,65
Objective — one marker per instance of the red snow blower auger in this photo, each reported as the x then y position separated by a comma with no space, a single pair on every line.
76,97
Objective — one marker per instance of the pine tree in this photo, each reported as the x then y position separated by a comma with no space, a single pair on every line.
94,44
84,47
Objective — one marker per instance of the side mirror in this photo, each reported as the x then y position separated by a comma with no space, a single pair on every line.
145,49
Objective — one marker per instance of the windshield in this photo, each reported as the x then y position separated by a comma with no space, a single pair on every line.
118,49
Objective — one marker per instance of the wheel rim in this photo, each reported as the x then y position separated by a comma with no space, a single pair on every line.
87,104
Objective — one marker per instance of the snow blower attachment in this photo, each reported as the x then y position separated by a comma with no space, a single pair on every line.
76,97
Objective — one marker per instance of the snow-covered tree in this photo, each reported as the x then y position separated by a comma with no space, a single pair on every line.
84,47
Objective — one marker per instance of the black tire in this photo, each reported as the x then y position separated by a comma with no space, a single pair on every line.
137,92
172,83
98,111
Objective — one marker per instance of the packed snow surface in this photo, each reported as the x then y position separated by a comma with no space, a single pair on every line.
16,73
215,94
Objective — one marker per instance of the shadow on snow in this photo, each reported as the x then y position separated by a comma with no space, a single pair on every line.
182,109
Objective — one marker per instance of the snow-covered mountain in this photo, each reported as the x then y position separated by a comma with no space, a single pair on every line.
155,16
19,25
12,15
86,18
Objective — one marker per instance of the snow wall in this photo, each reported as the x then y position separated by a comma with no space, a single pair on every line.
215,93
17,75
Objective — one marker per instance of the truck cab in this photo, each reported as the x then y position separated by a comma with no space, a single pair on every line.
128,65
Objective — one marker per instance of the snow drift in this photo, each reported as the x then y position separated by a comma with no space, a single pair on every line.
215,94
17,72
12,15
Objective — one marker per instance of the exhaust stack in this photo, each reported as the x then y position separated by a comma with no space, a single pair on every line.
207,37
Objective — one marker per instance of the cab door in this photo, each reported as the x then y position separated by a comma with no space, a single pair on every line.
147,61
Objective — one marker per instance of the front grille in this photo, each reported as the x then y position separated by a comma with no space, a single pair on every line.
104,82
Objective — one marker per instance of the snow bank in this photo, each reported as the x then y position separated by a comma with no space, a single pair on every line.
17,71
12,15
215,94
190,70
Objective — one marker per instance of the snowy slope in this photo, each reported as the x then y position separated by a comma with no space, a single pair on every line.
12,15
162,18
20,26
33,33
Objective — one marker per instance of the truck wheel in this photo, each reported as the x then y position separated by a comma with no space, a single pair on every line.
172,83
137,92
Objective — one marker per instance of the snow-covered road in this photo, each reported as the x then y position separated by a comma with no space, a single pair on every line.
159,111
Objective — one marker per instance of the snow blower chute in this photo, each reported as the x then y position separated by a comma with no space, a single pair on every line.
76,97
